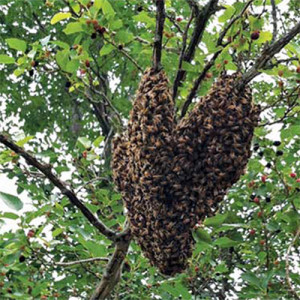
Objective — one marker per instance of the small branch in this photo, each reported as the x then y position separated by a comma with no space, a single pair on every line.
125,54
77,262
112,272
267,54
287,271
157,47
47,171
184,38
201,20
197,82
281,61
232,21
274,16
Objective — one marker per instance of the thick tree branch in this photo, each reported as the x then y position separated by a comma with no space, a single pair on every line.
112,273
200,25
157,47
267,54
62,186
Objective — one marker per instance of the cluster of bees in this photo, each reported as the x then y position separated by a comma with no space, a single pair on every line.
173,175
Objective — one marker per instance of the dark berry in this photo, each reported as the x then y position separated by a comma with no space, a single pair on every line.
31,72
120,47
22,258
140,8
252,196
93,35
268,165
261,153
279,153
268,199
277,143
255,35
68,84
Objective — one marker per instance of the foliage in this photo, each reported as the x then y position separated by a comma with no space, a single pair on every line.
69,70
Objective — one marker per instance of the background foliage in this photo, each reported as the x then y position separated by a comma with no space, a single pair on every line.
64,87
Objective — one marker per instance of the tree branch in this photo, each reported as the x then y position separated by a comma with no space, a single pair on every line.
77,262
112,273
232,21
197,82
267,54
201,20
157,47
62,186
125,54
274,16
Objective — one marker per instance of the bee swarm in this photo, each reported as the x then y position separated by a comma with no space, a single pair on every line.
171,175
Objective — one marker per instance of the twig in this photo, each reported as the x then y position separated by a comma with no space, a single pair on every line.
274,16
197,82
157,47
267,55
77,262
124,53
232,21
287,271
280,61
47,171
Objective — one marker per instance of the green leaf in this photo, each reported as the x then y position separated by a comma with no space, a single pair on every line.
106,49
57,232
59,17
73,28
62,58
203,235
264,36
25,140
252,279
60,44
105,6
85,142
144,18
98,141
11,201
124,36
72,65
227,13
5,59
225,242
17,44
9,215
215,220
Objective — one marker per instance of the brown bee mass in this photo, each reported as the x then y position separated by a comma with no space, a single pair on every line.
171,175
